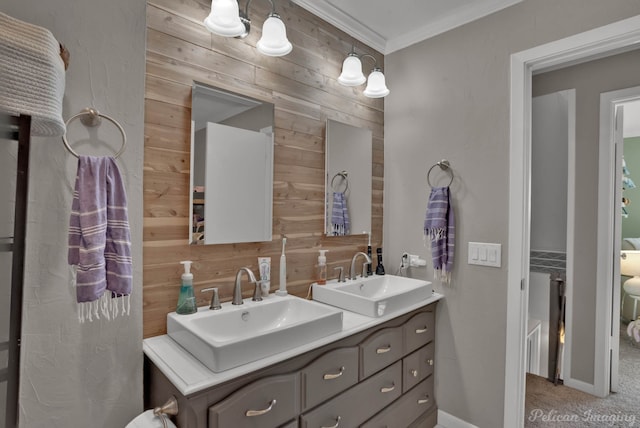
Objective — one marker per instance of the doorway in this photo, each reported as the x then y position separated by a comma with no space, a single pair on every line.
589,45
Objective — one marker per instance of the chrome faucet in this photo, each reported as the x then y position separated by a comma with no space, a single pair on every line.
352,272
237,290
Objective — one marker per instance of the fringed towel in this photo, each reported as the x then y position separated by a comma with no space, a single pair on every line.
439,228
340,215
99,240
31,75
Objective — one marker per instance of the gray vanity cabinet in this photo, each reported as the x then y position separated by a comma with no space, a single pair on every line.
406,409
268,402
379,350
330,374
375,378
353,407
417,366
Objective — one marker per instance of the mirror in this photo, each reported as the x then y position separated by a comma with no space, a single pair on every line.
231,167
348,179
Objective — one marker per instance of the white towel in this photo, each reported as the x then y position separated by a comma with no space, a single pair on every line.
31,75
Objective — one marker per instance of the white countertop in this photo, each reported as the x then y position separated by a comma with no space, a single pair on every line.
189,375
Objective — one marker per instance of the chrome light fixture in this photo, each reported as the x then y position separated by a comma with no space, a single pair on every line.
227,20
352,76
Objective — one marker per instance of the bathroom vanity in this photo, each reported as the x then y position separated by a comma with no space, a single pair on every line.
376,372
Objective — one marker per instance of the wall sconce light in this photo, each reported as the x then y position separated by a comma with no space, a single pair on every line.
352,76
227,20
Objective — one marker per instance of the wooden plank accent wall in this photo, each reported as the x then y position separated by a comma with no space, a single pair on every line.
304,89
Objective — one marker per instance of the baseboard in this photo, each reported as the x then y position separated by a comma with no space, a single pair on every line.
445,420
589,388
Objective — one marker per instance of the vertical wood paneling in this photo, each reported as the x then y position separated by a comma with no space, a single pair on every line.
305,92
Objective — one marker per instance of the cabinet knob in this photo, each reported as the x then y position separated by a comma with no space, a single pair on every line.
383,350
414,373
329,376
251,413
430,361
386,389
336,425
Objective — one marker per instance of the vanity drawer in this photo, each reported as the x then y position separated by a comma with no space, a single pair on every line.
406,409
268,402
419,330
417,366
379,350
328,375
359,403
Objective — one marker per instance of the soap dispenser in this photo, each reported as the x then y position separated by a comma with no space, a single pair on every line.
186,299
322,268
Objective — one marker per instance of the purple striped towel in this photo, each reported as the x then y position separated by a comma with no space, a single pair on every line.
340,215
99,239
439,228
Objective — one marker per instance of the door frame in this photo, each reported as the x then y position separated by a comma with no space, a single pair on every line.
609,217
589,45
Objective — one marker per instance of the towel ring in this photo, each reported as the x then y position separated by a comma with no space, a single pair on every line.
445,166
92,117
344,175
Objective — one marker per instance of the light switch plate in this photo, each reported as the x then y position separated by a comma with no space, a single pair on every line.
485,254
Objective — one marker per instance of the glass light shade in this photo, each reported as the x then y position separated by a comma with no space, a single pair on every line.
224,18
274,40
376,86
351,72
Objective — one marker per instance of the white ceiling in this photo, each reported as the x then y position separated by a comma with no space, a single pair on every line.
388,26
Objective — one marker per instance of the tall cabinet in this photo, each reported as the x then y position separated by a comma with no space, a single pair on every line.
13,130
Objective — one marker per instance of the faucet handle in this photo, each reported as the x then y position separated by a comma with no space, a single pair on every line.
340,270
257,292
365,270
215,300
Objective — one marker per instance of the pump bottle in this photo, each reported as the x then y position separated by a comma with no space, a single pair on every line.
186,299
322,268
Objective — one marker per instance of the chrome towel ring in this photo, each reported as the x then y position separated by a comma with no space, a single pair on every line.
445,166
92,117
345,180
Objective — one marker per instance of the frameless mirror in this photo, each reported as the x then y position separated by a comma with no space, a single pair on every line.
348,179
231,167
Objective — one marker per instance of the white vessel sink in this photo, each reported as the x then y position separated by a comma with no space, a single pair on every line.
239,334
374,296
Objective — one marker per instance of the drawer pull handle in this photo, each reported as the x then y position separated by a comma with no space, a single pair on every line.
251,413
422,330
423,400
414,373
383,350
330,376
430,361
336,425
386,389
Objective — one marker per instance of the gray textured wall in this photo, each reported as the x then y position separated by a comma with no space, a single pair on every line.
450,99
83,375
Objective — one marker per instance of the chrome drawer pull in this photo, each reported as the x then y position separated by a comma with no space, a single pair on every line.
261,412
383,350
422,330
329,376
385,389
336,425
414,373
423,400
430,361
